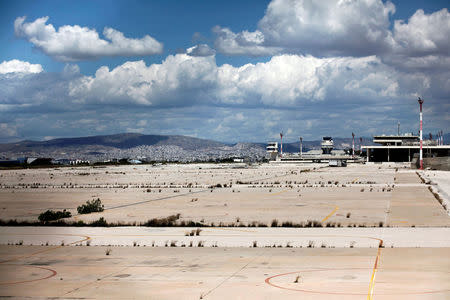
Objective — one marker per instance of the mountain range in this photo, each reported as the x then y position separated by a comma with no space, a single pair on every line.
175,147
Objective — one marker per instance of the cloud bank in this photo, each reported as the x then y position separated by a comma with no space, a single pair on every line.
193,95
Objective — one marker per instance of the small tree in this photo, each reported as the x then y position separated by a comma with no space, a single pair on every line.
94,205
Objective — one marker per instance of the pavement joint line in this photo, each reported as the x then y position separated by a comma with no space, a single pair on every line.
153,200
96,281
231,276
332,213
179,195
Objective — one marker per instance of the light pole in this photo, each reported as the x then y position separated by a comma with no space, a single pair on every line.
353,144
301,146
360,146
281,136
421,142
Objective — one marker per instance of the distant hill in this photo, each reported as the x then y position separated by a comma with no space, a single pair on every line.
132,145
447,138
121,141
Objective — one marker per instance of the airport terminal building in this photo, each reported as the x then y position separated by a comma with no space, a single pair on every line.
402,148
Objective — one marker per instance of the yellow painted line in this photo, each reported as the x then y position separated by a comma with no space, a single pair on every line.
274,194
332,213
374,273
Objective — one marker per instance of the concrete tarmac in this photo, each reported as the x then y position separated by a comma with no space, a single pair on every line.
72,272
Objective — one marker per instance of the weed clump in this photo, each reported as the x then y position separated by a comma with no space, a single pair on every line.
274,223
94,205
163,222
99,223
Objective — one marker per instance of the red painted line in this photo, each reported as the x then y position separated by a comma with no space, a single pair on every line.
268,281
53,273
46,250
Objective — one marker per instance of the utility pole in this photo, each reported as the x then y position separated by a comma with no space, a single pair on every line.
301,146
353,144
398,128
421,142
281,136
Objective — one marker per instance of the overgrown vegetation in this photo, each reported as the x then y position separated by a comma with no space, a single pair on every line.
162,222
95,205
174,221
437,197
51,215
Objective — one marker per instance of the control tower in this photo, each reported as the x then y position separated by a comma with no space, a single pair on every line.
272,150
327,145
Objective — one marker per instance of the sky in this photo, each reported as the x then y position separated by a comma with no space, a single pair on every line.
231,71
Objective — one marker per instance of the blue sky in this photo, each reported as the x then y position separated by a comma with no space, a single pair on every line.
346,66
175,23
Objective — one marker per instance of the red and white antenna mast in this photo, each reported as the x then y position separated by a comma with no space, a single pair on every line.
281,136
421,142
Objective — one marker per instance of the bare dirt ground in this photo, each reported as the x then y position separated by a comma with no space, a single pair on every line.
359,195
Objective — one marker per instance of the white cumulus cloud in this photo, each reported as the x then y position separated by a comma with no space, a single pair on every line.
244,43
422,43
73,43
424,34
285,80
200,50
326,27
18,66
330,28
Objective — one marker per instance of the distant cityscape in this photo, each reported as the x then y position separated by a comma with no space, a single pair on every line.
139,148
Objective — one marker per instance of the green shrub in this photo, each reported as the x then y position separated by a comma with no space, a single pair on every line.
94,205
51,215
